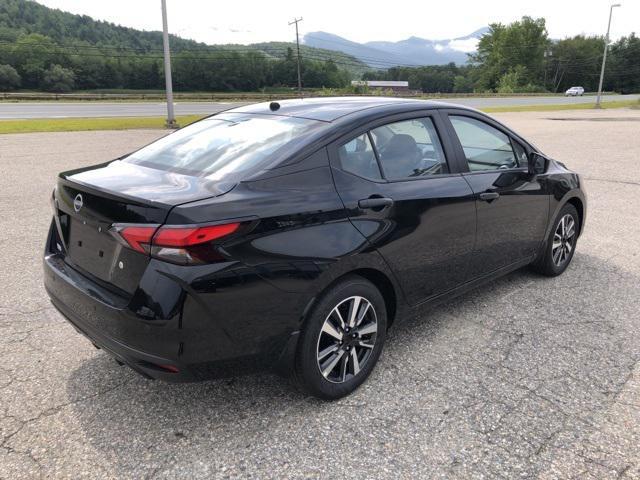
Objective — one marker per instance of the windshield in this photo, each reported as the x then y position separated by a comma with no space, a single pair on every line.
224,145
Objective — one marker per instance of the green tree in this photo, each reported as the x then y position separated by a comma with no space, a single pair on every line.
33,38
9,78
462,84
574,61
58,79
514,81
623,71
505,47
33,54
112,75
285,70
429,79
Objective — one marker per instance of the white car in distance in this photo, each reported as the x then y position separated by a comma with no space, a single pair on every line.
574,92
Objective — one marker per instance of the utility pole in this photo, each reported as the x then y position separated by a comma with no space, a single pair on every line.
298,56
604,57
171,118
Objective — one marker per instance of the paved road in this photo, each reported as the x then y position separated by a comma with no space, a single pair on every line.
527,377
102,109
126,109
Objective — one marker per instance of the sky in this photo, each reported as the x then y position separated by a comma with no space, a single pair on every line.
244,21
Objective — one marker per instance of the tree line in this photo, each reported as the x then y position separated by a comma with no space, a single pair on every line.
51,50
35,61
521,58
48,49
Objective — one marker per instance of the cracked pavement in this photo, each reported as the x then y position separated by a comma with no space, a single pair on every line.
526,377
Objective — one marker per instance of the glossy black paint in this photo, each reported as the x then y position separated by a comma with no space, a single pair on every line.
511,219
303,228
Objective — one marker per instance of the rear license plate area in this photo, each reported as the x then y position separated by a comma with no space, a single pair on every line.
91,247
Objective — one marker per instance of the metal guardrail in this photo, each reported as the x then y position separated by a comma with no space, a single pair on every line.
38,96
138,96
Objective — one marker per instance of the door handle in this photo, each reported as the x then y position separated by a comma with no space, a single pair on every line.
489,196
375,203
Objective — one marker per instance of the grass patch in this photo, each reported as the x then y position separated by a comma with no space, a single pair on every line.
553,108
85,124
128,123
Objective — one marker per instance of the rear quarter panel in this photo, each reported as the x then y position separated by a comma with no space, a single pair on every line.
301,243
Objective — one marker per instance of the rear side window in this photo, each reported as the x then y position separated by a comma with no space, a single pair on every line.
408,149
226,145
485,147
357,157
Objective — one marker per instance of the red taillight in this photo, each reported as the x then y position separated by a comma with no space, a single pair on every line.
137,237
190,236
184,245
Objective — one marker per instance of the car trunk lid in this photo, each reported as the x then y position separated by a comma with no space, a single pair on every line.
89,202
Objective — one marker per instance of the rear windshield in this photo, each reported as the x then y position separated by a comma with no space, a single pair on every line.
226,145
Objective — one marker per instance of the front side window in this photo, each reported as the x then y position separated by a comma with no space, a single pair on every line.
485,147
521,153
409,149
225,145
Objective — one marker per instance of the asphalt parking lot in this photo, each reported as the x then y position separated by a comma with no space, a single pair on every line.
527,377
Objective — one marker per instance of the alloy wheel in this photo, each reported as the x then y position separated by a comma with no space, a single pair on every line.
563,240
347,339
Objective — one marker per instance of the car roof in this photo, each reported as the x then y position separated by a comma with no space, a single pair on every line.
329,109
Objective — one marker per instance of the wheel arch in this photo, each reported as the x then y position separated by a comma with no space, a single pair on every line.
579,206
379,276
385,286
575,198
383,280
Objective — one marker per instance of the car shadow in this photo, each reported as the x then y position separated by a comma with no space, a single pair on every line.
505,325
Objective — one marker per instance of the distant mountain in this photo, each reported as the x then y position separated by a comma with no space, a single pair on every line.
20,17
412,51
278,50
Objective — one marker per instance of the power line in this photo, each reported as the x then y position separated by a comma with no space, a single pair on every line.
228,55
566,67
205,49
271,50
213,55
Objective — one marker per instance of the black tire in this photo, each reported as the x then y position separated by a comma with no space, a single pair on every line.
552,262
341,380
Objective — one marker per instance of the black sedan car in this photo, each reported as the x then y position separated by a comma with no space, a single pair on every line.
290,236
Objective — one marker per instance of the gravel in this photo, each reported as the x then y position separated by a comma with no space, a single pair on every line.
526,377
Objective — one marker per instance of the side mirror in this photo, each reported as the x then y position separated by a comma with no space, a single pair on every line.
538,163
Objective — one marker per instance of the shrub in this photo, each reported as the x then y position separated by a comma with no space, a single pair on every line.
514,82
58,79
9,78
462,84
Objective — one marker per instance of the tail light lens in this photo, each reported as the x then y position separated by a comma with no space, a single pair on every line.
178,244
135,237
190,236
190,245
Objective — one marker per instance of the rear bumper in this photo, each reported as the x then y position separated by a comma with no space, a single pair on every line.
88,308
189,343
149,366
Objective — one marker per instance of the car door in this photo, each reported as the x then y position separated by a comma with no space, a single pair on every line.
412,204
512,206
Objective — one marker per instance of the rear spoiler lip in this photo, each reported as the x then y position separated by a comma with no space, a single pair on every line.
110,194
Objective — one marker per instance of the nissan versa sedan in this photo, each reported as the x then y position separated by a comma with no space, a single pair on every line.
289,236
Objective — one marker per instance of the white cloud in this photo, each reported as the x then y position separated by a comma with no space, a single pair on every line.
257,21
468,45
